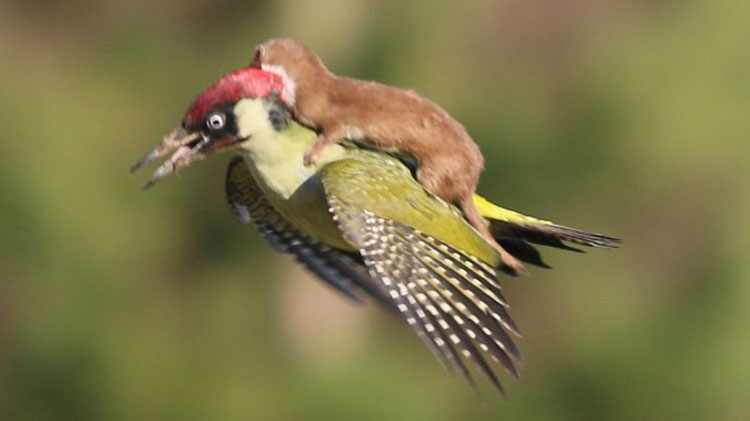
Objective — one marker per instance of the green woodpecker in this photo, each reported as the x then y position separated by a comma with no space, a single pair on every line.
360,220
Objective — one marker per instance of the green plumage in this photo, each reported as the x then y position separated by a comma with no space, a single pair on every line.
340,268
451,298
385,187
360,220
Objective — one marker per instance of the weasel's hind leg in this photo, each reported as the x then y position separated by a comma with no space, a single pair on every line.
509,263
457,186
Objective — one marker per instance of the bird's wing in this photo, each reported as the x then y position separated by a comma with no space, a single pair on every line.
450,297
514,231
343,270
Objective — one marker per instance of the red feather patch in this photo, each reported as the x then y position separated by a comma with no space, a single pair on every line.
248,82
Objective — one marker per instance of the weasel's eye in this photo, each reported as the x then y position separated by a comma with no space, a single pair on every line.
216,121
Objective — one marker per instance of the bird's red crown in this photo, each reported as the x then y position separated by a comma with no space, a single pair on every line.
247,82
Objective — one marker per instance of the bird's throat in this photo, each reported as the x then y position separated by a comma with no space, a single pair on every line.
276,156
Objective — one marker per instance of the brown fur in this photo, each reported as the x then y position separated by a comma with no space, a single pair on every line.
391,119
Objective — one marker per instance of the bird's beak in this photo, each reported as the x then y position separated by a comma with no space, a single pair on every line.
186,147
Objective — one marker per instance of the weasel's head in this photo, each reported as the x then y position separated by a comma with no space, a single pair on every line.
293,61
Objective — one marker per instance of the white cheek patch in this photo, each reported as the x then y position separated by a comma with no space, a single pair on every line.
251,118
289,86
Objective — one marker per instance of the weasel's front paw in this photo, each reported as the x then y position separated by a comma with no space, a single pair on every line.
312,154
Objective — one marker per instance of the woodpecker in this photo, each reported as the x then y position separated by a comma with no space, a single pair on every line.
389,118
359,220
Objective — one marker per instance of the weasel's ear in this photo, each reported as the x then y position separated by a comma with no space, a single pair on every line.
257,57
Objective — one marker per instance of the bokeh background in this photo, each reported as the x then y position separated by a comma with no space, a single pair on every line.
624,117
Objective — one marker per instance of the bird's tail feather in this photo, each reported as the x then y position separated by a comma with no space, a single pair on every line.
517,232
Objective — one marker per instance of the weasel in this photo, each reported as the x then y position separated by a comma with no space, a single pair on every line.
389,118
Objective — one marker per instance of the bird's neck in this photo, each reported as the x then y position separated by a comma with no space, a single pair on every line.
277,157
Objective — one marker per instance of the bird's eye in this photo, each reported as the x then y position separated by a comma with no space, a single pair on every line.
216,121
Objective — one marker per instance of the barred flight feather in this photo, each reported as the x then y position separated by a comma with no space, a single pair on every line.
389,268
449,298
549,234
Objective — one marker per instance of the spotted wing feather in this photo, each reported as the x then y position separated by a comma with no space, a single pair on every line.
449,297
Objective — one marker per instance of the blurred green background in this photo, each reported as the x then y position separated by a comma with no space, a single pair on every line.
624,117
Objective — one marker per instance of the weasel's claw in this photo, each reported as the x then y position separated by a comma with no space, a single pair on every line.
311,156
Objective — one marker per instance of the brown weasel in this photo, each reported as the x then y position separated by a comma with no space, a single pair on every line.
390,118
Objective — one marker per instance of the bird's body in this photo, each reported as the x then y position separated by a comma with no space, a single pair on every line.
389,186
360,220
417,250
